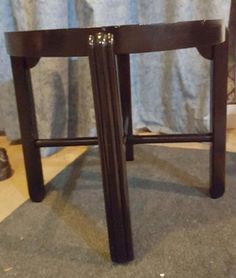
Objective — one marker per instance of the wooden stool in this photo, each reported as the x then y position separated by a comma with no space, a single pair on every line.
108,49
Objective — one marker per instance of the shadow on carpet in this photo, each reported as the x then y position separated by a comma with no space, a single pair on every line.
178,231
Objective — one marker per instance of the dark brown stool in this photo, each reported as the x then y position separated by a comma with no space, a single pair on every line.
108,49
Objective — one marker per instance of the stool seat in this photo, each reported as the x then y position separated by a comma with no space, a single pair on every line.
129,38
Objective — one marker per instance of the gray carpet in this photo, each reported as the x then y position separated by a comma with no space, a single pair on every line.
178,231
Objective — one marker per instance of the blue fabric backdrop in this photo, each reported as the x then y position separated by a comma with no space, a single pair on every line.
170,90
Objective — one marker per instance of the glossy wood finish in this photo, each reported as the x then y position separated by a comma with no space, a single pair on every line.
126,101
129,139
108,49
129,39
218,114
110,137
169,138
27,119
82,141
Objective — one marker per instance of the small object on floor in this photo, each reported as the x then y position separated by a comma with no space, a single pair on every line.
7,269
5,167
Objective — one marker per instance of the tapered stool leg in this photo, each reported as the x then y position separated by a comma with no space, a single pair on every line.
219,104
27,120
110,136
126,103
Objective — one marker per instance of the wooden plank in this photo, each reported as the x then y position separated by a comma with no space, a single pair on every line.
128,39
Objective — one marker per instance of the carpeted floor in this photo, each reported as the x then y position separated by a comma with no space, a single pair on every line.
178,231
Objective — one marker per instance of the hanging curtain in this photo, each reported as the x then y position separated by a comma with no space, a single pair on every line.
170,91
232,55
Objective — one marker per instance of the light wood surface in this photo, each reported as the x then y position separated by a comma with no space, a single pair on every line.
13,191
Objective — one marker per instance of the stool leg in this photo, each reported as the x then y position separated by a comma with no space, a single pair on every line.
125,91
219,104
27,120
110,138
